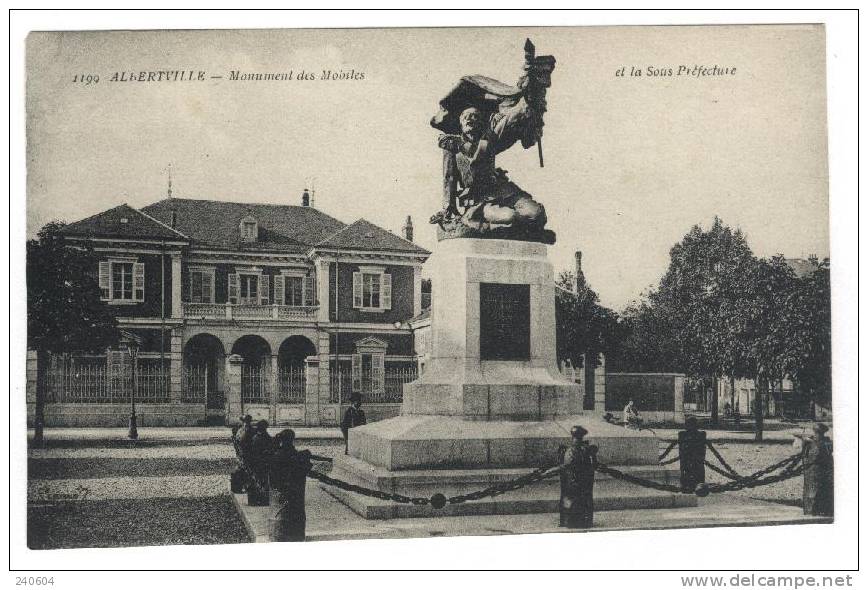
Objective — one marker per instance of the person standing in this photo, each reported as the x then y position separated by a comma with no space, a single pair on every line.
260,452
354,416
289,469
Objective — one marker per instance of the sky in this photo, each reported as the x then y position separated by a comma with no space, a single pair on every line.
631,163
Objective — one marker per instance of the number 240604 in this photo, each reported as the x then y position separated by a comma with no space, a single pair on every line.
34,581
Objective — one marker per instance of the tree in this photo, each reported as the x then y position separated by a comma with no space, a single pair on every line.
64,310
649,343
699,297
584,327
761,328
809,308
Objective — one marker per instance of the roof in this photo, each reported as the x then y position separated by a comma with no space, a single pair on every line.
801,266
364,235
123,221
216,224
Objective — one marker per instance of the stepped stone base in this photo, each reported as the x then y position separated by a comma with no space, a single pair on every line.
423,455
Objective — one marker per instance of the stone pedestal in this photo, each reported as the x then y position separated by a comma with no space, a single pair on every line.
491,404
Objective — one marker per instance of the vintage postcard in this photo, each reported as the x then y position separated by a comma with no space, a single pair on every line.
337,285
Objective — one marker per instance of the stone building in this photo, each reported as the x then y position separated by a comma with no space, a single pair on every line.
278,311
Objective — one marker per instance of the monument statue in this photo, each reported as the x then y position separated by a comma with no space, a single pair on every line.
480,118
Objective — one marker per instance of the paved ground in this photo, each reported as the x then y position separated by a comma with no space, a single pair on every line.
776,432
328,519
95,488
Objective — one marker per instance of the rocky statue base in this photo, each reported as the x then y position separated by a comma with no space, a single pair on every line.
453,229
491,404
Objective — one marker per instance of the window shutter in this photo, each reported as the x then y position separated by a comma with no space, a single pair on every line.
263,289
138,281
386,294
105,277
279,296
207,287
357,289
233,287
357,372
309,292
378,361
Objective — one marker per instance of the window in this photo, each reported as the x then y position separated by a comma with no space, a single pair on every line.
248,288
293,287
122,281
249,229
369,366
201,285
372,289
368,369
294,290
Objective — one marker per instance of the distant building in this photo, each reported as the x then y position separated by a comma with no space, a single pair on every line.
298,307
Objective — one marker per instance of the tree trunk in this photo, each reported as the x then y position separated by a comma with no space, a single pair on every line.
715,417
761,385
732,393
41,379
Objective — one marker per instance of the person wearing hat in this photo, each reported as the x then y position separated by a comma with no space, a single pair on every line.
818,494
260,451
289,469
579,464
354,416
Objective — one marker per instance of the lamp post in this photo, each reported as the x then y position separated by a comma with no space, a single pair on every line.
133,348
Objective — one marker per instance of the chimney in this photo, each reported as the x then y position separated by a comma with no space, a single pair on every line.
305,198
580,276
174,218
407,230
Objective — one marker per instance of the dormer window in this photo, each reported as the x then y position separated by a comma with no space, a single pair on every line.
249,229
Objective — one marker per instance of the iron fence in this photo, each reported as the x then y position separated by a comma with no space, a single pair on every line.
341,384
91,382
255,387
292,384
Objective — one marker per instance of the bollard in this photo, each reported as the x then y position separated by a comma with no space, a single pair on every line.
236,481
289,469
579,464
691,448
818,494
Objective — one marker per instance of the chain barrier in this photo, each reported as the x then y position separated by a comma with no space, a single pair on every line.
720,458
789,468
722,472
439,500
639,481
668,450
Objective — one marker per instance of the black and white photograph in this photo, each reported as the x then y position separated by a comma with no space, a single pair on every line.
348,286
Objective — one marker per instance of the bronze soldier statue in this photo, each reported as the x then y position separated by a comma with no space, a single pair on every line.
691,449
818,496
480,118
289,469
579,463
